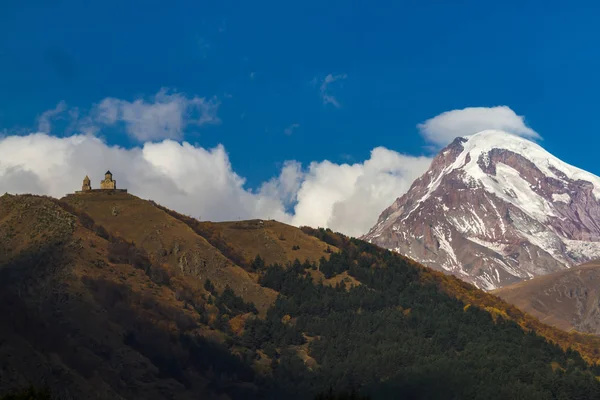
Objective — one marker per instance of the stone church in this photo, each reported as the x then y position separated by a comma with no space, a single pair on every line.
108,184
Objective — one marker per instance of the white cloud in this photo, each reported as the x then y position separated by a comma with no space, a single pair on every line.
164,117
285,186
449,125
190,179
349,198
327,97
290,129
201,182
45,119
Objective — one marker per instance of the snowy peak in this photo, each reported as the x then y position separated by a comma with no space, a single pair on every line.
495,208
482,147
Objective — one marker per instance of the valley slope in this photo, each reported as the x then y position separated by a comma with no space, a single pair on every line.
569,300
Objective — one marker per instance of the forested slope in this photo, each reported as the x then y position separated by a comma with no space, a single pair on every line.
97,302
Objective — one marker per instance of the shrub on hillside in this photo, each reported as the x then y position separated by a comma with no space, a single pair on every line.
123,252
230,303
326,235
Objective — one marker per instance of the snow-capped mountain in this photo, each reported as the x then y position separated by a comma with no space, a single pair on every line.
494,209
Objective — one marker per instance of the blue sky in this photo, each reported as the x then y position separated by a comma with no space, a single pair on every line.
397,64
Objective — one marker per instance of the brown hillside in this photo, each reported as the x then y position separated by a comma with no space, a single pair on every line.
169,241
242,241
274,241
566,299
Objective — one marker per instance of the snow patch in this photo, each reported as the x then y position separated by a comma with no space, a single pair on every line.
498,248
502,226
447,248
563,198
582,249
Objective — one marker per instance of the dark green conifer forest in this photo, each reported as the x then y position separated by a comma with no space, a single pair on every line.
395,337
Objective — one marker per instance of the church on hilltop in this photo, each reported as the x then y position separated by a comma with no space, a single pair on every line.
108,184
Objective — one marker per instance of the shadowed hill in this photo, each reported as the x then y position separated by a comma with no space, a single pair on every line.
93,321
108,296
126,276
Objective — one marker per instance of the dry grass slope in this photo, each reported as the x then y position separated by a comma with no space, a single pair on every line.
274,241
170,242
568,300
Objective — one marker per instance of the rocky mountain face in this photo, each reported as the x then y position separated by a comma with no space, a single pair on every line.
495,209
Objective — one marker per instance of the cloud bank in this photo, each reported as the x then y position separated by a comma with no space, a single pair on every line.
202,182
447,126
165,115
